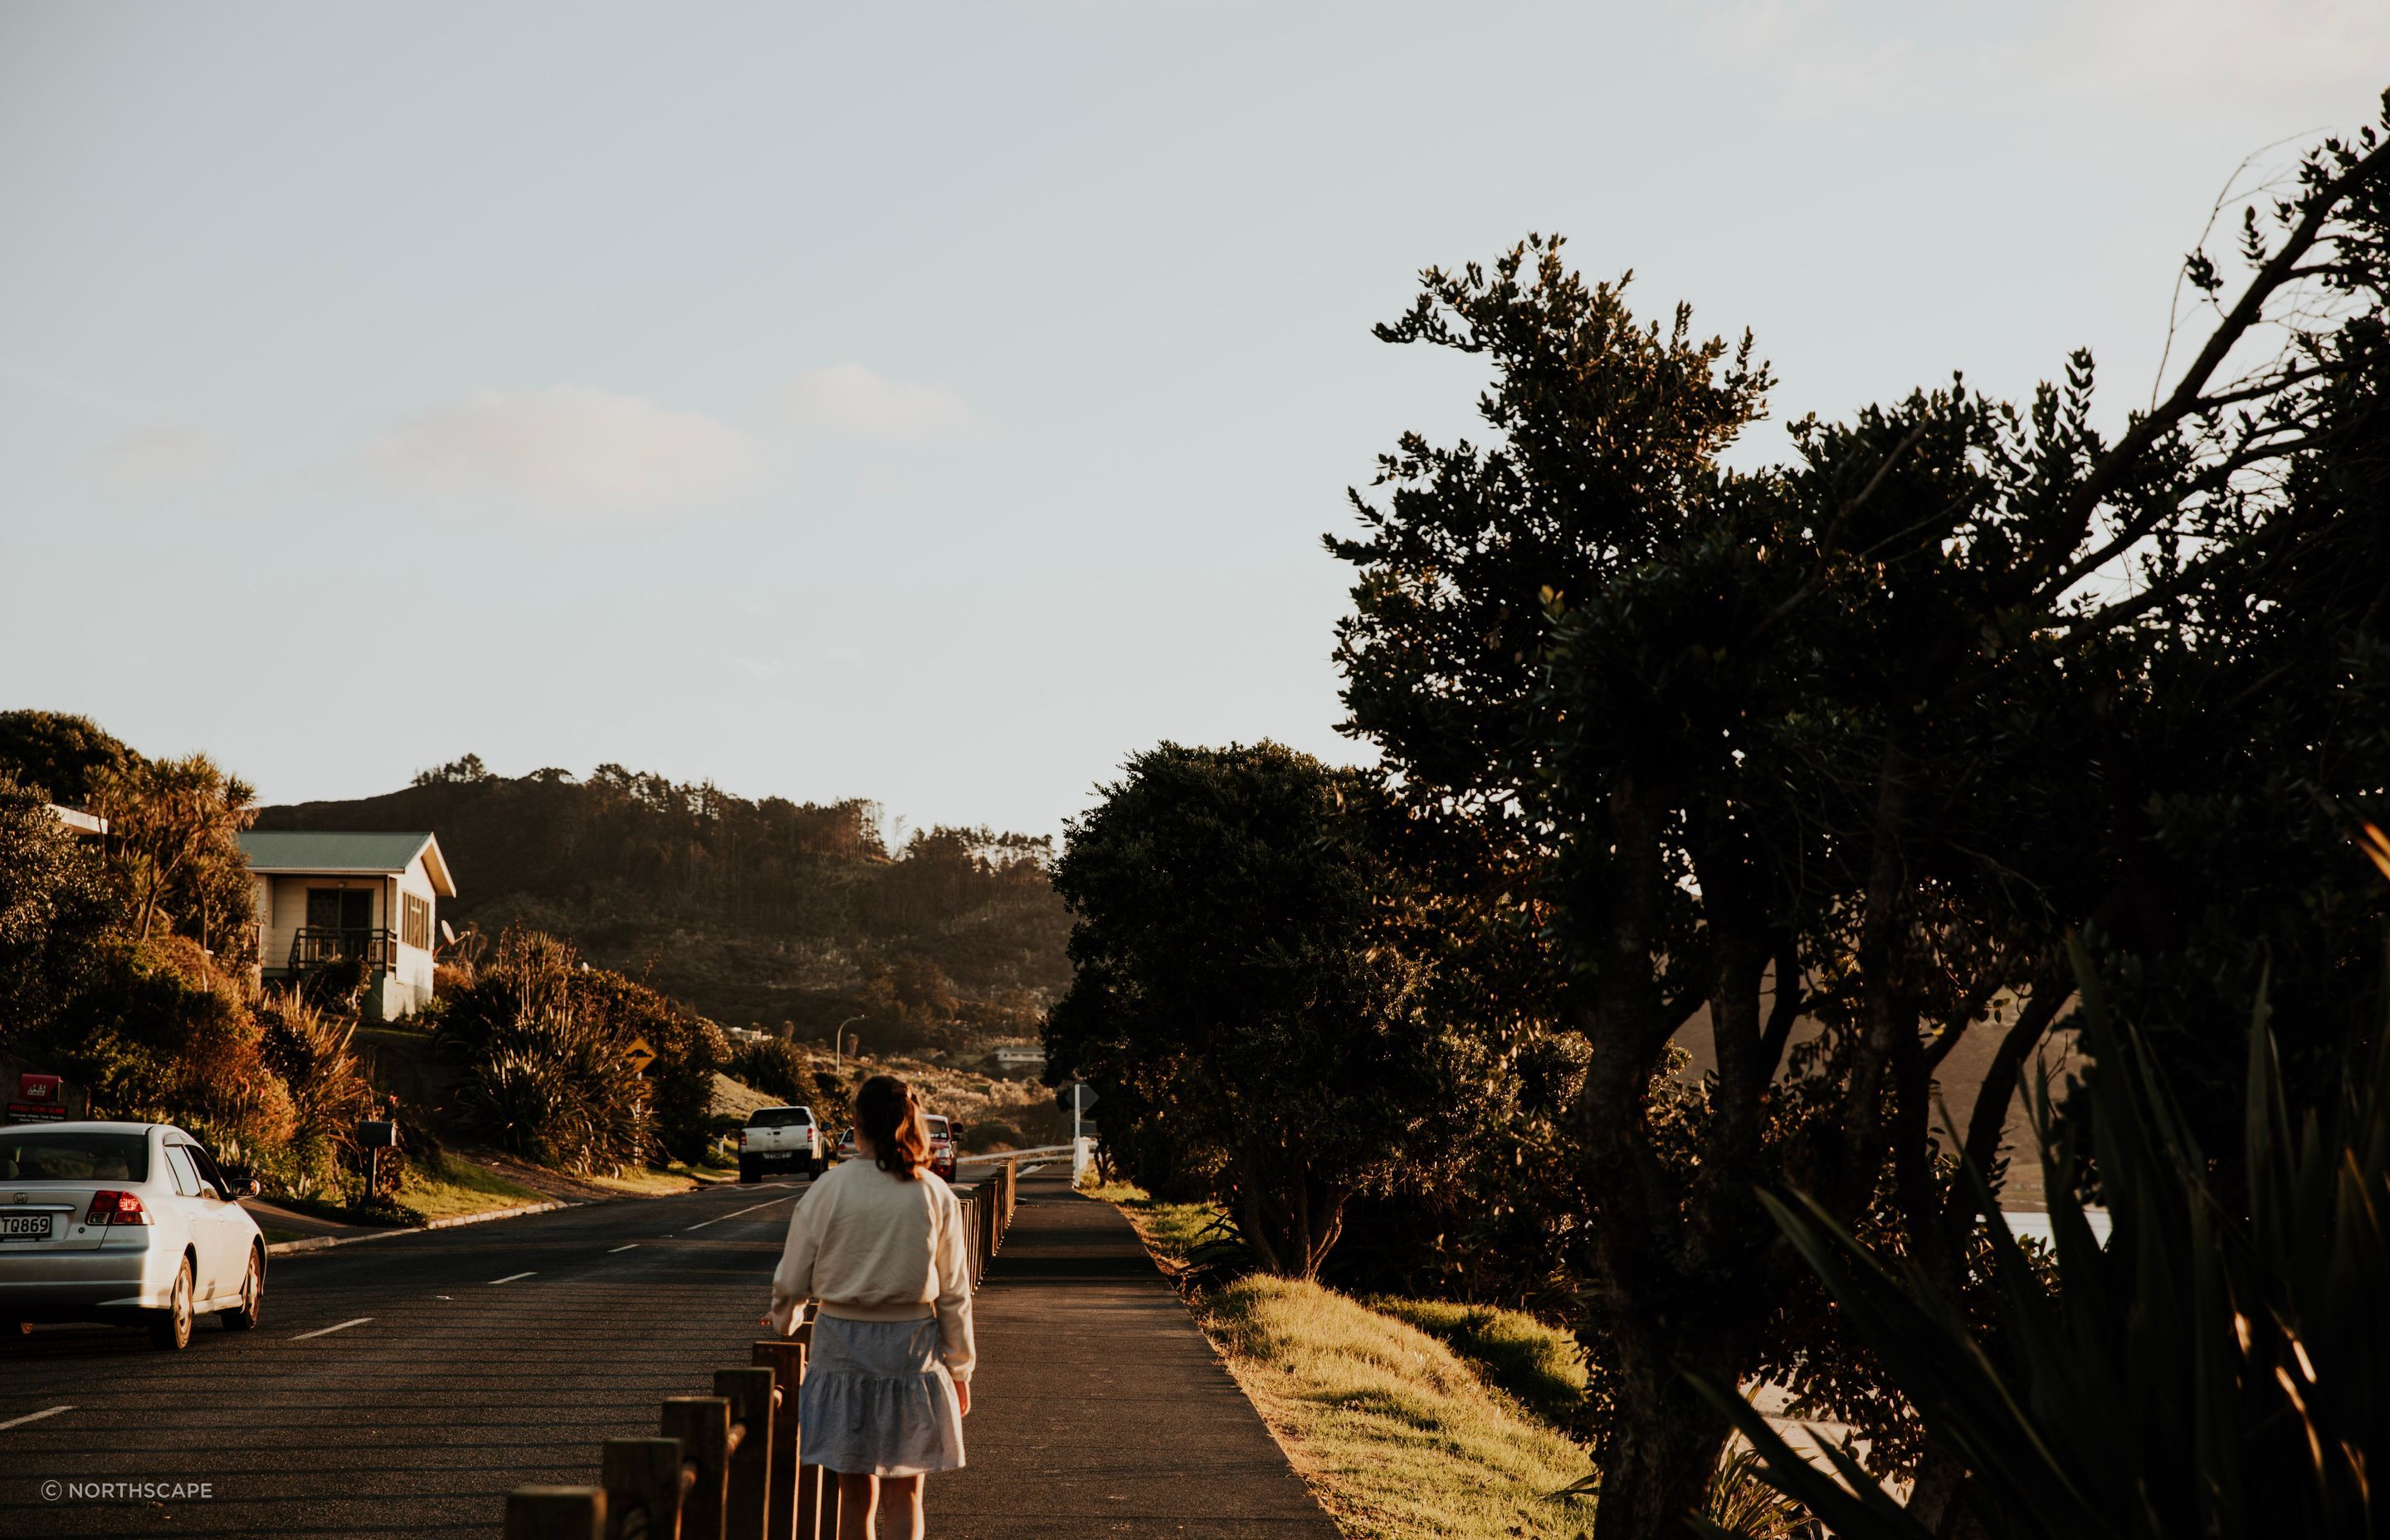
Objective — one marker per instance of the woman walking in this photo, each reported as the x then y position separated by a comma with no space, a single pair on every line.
878,1241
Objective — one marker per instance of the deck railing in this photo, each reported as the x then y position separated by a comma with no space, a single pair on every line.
315,945
725,1468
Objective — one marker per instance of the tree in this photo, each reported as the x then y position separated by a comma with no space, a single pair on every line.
56,907
2213,1366
58,754
1233,1001
175,833
1848,746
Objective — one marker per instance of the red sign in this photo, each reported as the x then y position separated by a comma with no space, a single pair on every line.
33,1087
21,1112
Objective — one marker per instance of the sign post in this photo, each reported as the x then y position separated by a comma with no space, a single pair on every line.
1078,1097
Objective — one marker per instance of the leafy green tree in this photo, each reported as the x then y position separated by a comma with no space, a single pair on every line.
1234,1001
59,755
175,834
56,907
1848,747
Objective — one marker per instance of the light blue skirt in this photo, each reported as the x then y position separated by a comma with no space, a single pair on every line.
877,1401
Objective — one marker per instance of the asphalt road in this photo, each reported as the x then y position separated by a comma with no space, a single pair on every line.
480,1358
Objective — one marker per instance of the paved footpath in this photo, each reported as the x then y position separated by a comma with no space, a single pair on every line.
1098,1407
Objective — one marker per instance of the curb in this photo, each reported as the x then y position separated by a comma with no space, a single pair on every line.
324,1242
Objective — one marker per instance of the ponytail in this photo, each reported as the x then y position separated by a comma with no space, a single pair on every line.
889,1116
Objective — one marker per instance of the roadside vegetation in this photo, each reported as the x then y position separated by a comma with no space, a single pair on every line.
1401,1437
1409,1418
1722,808
449,1186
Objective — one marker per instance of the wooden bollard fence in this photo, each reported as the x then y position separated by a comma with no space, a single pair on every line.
702,1425
556,1513
786,1360
643,1484
747,1474
727,1467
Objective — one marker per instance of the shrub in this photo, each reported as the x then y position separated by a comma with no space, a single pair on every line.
2217,1368
329,1092
773,1067
545,1043
554,1087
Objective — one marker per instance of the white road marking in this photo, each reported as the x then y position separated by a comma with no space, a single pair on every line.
326,1331
631,1247
36,1417
735,1212
511,1276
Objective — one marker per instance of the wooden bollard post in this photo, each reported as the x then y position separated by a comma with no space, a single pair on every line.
642,1477
749,1469
702,1425
556,1513
811,1525
787,1361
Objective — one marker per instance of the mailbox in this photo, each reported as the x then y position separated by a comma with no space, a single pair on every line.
378,1134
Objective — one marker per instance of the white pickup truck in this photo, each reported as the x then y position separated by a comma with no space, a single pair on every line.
780,1138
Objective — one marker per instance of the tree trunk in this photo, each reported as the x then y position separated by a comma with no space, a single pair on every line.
1665,1442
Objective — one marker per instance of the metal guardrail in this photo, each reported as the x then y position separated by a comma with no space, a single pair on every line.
725,1467
1039,1152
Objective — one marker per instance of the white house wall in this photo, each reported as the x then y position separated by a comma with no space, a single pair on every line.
282,910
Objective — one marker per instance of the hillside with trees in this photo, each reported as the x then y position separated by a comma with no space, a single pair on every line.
768,913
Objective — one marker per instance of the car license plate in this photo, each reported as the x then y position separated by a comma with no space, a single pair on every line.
24,1226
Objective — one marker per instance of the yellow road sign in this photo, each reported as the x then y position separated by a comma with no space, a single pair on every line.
640,1053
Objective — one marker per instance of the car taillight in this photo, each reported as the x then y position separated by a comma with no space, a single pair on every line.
116,1208
743,1138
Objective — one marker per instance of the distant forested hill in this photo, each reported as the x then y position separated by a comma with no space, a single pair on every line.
754,912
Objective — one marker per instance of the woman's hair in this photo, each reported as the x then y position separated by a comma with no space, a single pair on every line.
889,1116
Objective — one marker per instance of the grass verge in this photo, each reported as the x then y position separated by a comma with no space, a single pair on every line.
656,1182
1177,1233
460,1187
1398,1435
1536,1364
1412,1420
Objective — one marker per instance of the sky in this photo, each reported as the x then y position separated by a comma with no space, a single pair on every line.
938,404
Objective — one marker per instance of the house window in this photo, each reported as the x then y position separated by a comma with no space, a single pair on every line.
339,909
415,920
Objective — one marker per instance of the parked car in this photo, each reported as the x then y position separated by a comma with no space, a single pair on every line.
124,1221
846,1150
780,1138
943,1135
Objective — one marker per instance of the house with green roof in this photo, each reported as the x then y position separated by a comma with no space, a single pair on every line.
325,896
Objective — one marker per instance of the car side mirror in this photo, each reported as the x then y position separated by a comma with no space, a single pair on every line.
252,1187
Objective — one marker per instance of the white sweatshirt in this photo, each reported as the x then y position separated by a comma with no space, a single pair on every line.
873,1246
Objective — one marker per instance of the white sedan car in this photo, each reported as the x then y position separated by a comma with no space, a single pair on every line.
124,1222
